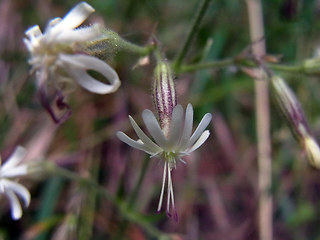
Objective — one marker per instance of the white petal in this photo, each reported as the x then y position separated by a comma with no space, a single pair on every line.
33,32
53,22
154,129
75,17
200,141
176,125
132,143
202,126
144,138
14,172
19,190
187,129
49,33
78,64
28,44
16,211
79,35
16,157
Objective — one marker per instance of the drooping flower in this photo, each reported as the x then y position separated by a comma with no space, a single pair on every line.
56,59
11,169
170,143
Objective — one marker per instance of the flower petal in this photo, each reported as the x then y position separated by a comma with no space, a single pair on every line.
187,129
16,211
144,138
74,18
132,143
154,129
204,136
14,172
78,65
176,126
19,190
16,157
33,32
202,126
79,35
53,22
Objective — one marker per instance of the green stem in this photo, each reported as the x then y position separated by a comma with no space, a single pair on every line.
287,68
142,51
206,65
133,198
86,220
243,63
54,170
195,26
120,205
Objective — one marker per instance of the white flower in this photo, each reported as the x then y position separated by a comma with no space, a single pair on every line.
10,169
53,57
170,148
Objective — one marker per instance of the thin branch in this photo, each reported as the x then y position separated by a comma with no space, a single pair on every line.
133,198
122,207
263,125
195,26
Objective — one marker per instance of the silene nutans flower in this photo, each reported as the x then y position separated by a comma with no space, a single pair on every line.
172,133
55,55
10,169
297,121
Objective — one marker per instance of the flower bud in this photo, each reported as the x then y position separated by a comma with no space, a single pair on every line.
312,65
313,151
164,94
290,107
293,112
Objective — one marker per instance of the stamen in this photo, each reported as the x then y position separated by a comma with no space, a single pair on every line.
162,189
181,160
175,216
168,192
171,189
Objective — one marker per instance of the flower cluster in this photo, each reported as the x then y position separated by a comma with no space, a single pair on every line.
11,169
54,54
61,54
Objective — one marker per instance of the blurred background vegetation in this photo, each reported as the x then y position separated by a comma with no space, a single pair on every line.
216,192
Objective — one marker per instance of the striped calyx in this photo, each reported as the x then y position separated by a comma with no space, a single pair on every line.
290,107
293,112
164,94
